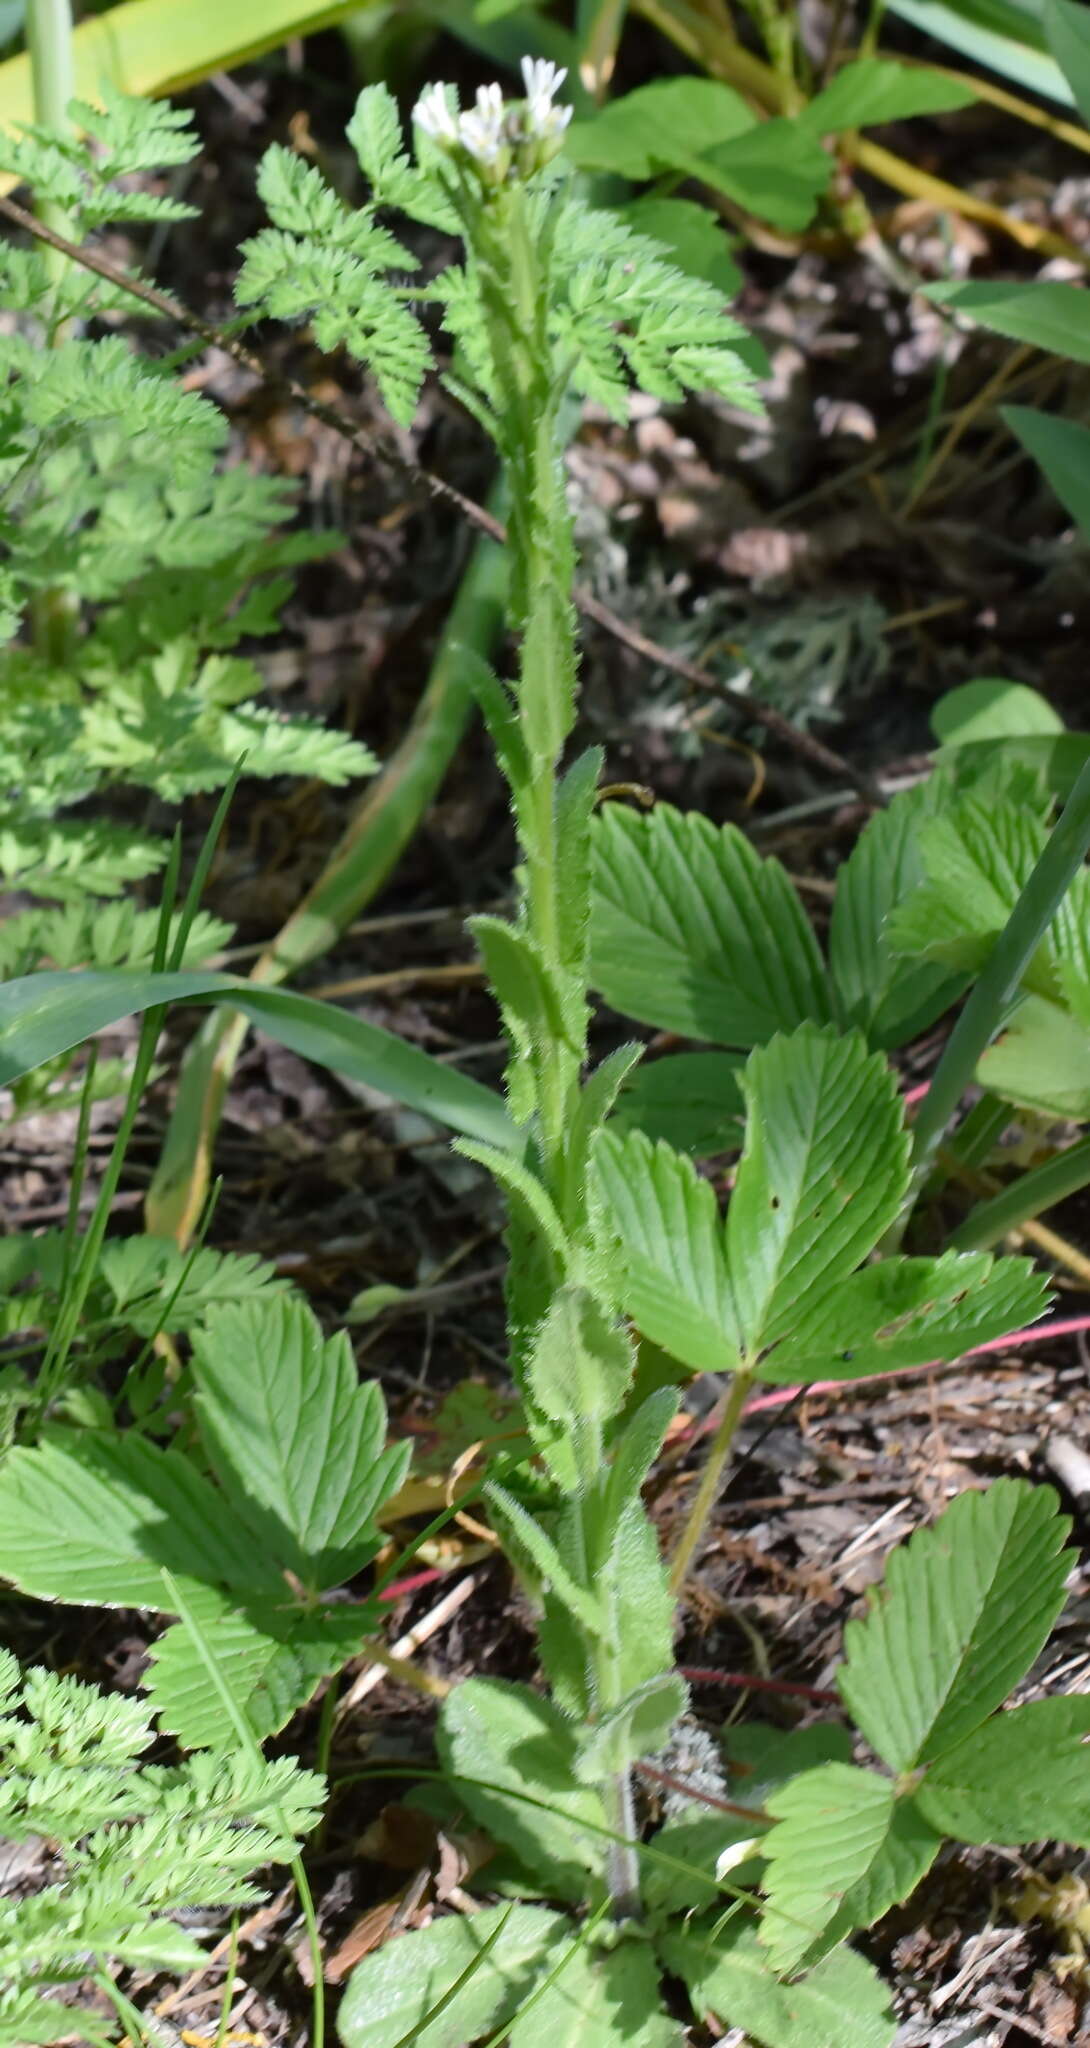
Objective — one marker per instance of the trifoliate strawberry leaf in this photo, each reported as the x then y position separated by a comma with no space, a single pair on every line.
843,2003
889,998
662,1223
904,1312
844,1849
1021,1777
823,1173
93,1519
296,1441
272,1658
693,932
964,1610
978,857
692,1100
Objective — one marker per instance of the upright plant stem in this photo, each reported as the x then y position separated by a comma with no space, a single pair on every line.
49,46
710,1480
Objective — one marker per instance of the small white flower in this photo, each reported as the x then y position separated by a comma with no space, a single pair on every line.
482,130
432,114
542,81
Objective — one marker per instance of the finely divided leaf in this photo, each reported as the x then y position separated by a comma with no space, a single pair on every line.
693,932
964,1610
843,2003
663,1222
392,1992
844,1849
296,1441
823,1173
1020,1778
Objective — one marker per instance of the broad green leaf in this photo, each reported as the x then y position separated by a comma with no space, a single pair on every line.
272,1659
693,932
42,1015
599,2000
1003,35
964,1610
978,857
660,127
886,997
693,236
640,1726
902,1312
1052,763
1041,1061
92,1519
296,1441
777,170
843,2003
873,90
843,1850
692,1100
507,1740
1021,1777
1061,448
1047,315
1067,28
662,1221
822,1175
991,708
391,1993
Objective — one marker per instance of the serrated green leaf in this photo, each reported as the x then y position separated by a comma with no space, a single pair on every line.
964,1609
1021,1777
691,1100
93,1519
663,1222
978,857
692,932
1060,447
886,997
873,90
600,1998
843,2003
1040,1061
902,1312
823,1173
508,1740
271,1659
844,1850
297,1443
391,1993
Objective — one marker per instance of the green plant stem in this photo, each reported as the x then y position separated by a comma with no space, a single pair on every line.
1027,1197
1002,973
710,1480
49,47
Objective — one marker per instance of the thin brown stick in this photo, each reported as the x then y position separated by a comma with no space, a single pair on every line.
170,308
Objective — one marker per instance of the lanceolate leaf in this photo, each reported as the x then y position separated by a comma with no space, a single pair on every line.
843,2003
844,1849
1048,314
498,1741
663,1221
1022,1776
1061,447
45,1014
295,1439
392,1992
823,1173
693,932
888,998
965,1608
904,1312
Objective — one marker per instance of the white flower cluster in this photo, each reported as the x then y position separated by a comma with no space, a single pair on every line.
500,135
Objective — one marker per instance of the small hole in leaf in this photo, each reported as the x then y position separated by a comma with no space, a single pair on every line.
774,1202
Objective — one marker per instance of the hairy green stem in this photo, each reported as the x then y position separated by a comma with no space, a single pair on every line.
710,1480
